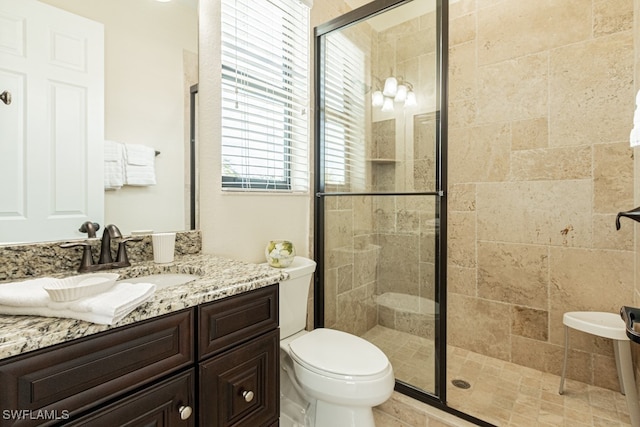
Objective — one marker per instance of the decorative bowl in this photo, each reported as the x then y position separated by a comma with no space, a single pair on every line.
280,253
84,285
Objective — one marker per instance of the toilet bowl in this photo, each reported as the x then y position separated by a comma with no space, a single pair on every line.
330,378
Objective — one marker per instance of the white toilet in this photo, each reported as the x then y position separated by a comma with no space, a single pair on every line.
328,378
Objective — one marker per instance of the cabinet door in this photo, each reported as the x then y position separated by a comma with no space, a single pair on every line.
241,387
166,404
74,377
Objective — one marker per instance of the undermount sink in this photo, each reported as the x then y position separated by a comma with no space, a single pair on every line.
164,280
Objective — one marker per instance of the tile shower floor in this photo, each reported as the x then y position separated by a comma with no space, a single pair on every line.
502,393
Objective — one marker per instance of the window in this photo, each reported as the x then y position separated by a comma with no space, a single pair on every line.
344,109
265,95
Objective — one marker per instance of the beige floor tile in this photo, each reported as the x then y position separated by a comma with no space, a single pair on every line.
501,393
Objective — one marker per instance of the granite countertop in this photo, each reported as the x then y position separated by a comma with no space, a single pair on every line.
219,278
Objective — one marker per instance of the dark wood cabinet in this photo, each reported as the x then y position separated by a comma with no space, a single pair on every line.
166,404
156,372
239,350
240,387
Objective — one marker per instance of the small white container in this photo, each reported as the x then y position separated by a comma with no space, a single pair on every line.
164,245
76,287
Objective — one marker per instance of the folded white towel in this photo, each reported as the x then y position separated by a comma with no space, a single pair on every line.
114,157
140,165
108,308
140,155
28,293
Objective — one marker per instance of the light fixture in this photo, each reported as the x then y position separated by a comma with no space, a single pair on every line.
401,94
377,99
390,87
387,105
395,89
411,99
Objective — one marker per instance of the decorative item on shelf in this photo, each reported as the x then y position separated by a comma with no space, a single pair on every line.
394,90
280,253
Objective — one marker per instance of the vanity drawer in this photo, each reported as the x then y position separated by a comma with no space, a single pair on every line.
69,378
229,321
166,404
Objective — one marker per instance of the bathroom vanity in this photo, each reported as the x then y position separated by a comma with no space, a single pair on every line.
204,353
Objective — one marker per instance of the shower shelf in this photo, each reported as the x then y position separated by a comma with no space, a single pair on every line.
383,161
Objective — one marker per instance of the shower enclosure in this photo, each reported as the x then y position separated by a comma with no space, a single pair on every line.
380,178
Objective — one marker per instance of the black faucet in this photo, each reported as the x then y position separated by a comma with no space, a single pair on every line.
106,261
110,232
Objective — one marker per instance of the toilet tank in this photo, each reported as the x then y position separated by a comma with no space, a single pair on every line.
294,293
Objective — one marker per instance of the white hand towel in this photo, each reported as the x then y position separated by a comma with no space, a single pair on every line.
140,165
113,165
28,293
107,308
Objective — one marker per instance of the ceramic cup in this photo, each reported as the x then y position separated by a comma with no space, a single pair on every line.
164,245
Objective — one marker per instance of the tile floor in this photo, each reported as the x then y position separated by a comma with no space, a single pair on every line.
502,393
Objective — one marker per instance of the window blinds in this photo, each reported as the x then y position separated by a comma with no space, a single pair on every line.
344,106
265,95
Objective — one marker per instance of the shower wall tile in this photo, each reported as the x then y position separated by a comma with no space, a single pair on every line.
612,177
605,235
559,77
479,325
462,71
427,280
427,244
365,265
513,273
584,108
551,164
462,197
530,134
515,28
482,153
605,373
530,323
339,225
461,280
344,278
548,358
463,29
536,212
495,96
612,16
462,239
415,44
398,268
331,295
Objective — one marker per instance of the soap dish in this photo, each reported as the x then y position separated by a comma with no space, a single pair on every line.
75,287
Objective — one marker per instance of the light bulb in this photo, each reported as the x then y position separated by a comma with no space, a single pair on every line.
390,87
401,94
411,99
377,99
387,105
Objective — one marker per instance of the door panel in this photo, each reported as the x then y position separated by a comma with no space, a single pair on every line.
53,64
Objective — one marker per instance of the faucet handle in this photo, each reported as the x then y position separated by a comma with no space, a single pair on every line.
87,258
122,257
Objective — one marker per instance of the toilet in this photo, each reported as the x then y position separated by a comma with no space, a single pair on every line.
328,378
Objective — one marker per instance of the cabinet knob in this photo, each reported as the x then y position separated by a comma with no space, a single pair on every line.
185,412
248,395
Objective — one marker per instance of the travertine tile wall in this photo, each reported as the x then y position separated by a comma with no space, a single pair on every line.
541,99
386,244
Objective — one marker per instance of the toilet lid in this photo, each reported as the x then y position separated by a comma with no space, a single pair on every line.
339,353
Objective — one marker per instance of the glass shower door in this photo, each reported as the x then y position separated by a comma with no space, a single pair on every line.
379,184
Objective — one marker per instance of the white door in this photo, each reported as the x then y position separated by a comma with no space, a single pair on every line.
51,135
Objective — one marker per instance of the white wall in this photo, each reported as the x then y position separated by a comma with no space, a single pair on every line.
236,225
145,43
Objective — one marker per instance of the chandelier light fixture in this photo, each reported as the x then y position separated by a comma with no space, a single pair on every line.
395,90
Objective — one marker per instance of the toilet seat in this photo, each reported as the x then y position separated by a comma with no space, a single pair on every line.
339,355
